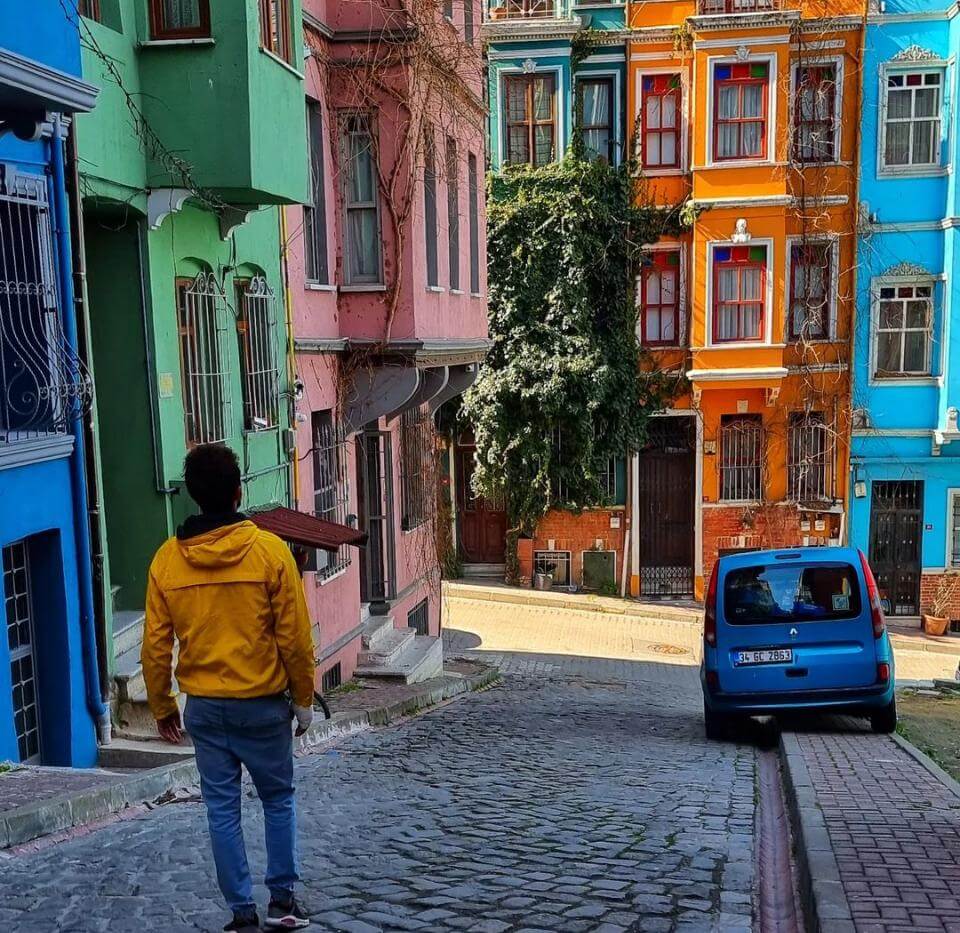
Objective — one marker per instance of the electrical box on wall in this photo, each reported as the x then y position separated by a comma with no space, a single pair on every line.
614,521
709,447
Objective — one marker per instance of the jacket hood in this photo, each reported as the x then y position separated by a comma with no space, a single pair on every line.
213,541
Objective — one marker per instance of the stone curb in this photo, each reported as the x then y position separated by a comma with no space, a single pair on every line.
825,905
927,762
911,643
29,822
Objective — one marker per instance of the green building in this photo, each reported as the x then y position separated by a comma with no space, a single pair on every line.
198,138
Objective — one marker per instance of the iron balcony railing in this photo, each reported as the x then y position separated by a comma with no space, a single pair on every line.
523,9
44,386
708,7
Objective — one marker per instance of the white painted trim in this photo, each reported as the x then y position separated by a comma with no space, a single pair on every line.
557,51
893,432
615,75
604,59
837,62
653,56
817,45
760,200
560,101
735,374
286,65
162,43
747,40
910,171
834,240
917,226
768,298
918,17
773,76
684,115
318,287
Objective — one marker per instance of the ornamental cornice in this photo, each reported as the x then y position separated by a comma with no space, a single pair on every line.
652,34
765,20
915,53
521,30
905,268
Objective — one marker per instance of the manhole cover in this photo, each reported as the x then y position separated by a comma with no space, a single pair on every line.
669,649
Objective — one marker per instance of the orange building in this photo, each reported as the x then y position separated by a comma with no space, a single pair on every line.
745,111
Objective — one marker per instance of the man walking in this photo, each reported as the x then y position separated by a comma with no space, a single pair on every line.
232,596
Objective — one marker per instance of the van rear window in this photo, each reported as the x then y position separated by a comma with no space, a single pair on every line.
791,592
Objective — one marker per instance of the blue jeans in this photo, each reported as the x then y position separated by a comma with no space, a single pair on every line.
256,733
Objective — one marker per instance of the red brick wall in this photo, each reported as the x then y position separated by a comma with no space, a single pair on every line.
578,533
928,589
736,526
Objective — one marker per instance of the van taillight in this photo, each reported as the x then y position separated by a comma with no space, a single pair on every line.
710,611
873,597
883,673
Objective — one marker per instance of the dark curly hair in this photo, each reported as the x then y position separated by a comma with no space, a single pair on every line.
212,475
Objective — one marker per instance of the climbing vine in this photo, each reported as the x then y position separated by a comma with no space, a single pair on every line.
561,392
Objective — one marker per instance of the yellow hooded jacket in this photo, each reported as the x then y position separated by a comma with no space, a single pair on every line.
234,599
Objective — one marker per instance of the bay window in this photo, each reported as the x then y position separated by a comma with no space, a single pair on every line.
178,19
815,113
740,111
362,219
275,28
739,292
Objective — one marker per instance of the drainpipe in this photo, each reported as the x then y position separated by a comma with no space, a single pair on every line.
95,698
293,454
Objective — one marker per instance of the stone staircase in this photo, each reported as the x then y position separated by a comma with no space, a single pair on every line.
396,654
484,572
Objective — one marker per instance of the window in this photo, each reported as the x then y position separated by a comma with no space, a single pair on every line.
453,214
808,458
613,480
257,335
179,19
473,183
660,299
18,601
739,287
554,563
201,326
596,116
810,287
904,331
469,24
90,9
416,466
530,118
953,543
740,111
315,213
430,207
331,491
912,119
815,113
275,28
418,618
741,458
331,679
362,222
660,121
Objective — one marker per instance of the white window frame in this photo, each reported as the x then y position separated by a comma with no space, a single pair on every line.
767,341
562,102
684,122
683,336
771,128
951,559
833,240
892,282
343,116
941,167
837,62
585,74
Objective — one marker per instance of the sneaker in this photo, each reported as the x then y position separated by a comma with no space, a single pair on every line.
286,915
243,923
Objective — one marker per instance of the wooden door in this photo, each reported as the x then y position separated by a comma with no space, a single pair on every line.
482,524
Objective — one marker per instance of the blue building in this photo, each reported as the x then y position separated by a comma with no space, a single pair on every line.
50,689
905,464
533,89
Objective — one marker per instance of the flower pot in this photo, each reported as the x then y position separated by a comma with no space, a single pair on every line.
935,625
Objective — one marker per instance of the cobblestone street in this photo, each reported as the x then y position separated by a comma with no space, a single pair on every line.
579,795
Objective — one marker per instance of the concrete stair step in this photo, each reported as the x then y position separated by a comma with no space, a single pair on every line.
493,571
387,649
128,675
375,631
143,752
127,631
421,659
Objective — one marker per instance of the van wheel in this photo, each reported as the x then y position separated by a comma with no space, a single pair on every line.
715,725
884,720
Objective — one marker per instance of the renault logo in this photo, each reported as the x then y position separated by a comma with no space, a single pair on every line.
793,633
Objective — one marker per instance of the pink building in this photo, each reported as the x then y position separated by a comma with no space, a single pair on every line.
387,271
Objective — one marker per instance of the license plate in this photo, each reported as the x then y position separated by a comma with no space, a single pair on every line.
765,656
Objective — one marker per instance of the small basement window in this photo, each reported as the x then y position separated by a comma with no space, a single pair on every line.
418,618
332,678
556,563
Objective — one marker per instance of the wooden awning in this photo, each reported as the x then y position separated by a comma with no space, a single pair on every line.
307,530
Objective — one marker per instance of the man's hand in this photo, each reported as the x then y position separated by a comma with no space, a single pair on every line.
170,728
304,716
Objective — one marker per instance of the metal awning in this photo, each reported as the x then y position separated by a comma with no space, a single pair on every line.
307,530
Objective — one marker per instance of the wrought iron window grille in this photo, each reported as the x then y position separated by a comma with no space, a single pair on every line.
259,372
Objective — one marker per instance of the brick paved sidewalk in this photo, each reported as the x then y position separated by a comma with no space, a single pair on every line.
894,827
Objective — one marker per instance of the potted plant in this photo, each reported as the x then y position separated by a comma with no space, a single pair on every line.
937,620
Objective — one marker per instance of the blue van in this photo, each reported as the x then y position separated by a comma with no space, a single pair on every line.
795,630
